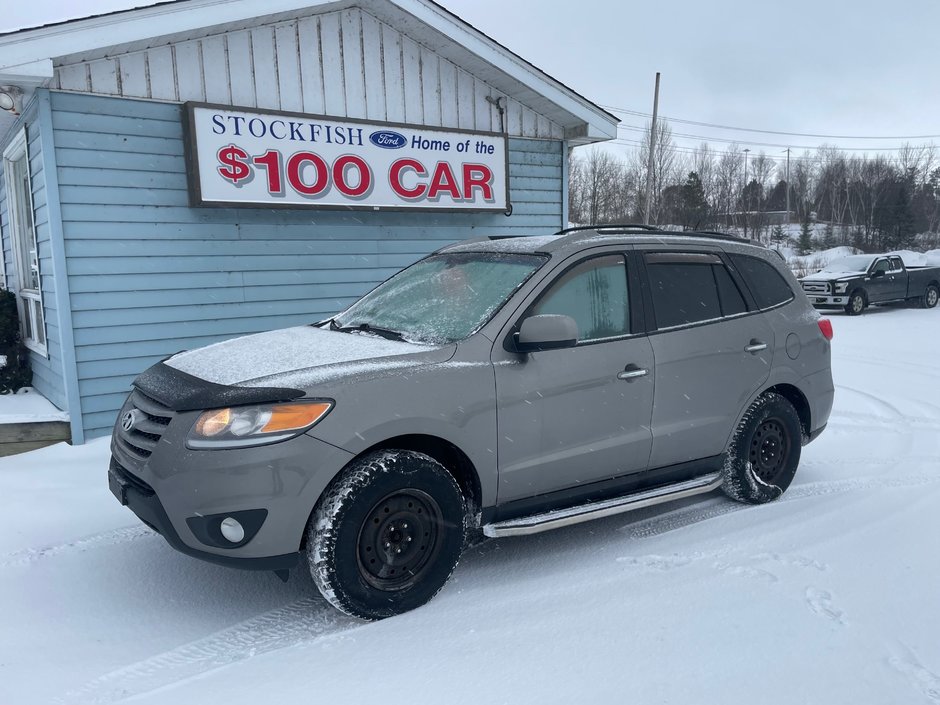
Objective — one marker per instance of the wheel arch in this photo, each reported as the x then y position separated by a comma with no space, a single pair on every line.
799,401
454,460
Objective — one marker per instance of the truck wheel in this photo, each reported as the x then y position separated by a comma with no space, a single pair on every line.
764,452
931,296
387,534
856,303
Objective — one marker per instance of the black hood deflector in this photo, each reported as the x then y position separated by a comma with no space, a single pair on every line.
181,391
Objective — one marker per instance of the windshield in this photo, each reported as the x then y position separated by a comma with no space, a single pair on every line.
443,298
857,263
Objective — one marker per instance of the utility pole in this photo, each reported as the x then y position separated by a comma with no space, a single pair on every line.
649,162
744,194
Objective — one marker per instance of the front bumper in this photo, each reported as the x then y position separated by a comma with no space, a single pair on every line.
828,301
140,498
176,489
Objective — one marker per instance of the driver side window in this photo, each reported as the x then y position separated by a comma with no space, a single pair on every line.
881,266
594,293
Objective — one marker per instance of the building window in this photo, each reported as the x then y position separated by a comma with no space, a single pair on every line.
27,282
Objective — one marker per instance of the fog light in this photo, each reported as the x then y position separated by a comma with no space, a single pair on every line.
232,530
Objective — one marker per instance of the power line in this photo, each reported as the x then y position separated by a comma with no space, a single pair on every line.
639,113
763,144
682,149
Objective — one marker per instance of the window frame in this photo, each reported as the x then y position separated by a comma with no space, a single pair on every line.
691,256
29,301
634,302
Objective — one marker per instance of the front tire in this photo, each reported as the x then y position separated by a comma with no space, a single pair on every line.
387,534
930,298
764,452
856,304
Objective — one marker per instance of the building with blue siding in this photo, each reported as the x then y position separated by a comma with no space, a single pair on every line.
114,265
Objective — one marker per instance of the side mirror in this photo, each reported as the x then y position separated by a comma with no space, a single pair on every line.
547,332
877,274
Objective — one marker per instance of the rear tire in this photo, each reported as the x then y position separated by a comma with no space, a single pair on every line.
930,298
856,304
387,534
764,452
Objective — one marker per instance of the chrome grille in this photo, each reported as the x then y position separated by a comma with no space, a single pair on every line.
154,417
816,287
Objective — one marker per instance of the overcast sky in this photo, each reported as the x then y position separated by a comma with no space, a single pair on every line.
830,67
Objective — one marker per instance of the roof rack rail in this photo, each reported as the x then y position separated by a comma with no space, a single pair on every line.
718,235
610,226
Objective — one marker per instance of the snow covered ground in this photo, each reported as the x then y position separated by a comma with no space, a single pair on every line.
828,595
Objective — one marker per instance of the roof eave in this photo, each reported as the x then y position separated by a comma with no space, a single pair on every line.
37,48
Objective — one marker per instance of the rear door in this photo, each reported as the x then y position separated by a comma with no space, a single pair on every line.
578,415
712,348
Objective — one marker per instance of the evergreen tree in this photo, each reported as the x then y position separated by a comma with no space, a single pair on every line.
777,236
805,244
14,372
694,203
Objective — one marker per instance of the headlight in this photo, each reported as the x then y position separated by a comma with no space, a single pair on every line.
241,426
840,287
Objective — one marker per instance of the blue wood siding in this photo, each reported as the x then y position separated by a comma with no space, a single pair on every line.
47,369
150,276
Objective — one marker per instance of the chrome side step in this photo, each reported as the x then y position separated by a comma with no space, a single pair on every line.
537,523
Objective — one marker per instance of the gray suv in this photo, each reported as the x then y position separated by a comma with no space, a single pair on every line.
498,387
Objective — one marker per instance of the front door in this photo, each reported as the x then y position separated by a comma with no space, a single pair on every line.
577,415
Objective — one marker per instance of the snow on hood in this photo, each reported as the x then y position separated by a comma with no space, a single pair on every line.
831,276
284,351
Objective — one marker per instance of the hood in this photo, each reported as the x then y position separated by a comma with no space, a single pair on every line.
831,276
298,357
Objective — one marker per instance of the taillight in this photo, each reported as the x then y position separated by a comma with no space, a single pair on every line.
825,327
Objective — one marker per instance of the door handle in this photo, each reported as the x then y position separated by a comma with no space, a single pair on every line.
632,372
755,347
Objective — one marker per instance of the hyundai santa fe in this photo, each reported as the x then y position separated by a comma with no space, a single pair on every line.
498,387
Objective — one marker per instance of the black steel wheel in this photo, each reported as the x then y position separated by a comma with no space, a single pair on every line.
399,539
856,304
770,450
387,534
764,452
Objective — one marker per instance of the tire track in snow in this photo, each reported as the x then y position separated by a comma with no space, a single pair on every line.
878,402
920,677
720,506
302,621
107,538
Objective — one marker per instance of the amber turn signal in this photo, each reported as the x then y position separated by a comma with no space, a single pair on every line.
291,417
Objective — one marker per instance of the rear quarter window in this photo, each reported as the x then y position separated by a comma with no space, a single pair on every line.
767,285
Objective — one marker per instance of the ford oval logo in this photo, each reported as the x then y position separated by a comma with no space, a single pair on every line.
386,139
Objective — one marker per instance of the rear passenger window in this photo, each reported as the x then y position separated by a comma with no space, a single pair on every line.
767,285
594,293
683,292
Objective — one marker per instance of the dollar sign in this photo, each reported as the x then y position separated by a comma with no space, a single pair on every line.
233,168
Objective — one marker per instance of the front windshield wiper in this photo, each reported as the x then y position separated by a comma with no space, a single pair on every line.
386,333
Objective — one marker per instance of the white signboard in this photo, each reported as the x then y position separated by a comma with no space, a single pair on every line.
243,157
